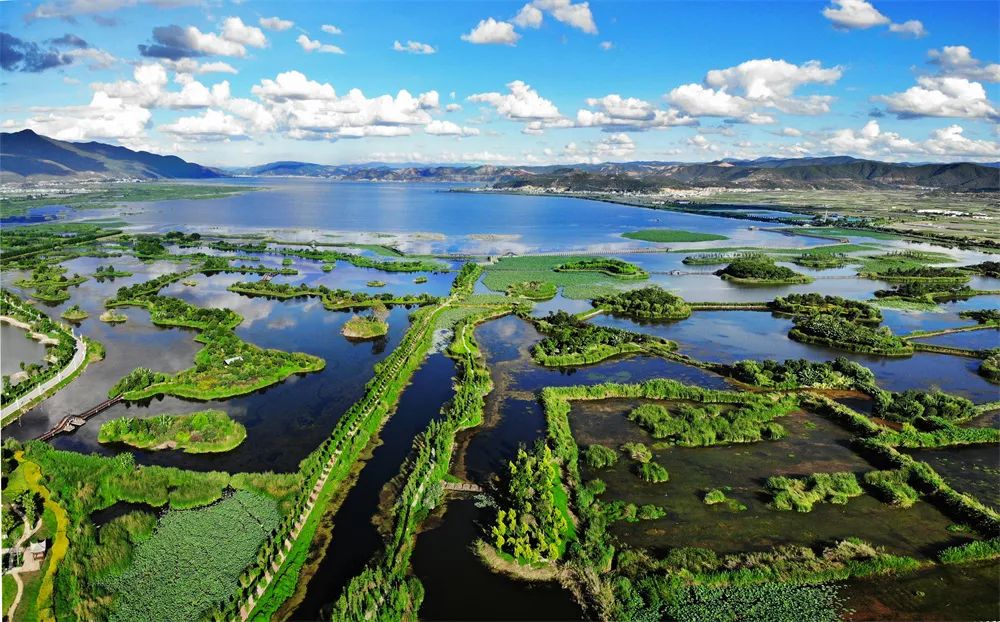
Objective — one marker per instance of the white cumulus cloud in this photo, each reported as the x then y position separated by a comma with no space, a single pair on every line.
413,47
211,125
491,31
235,31
275,23
312,45
447,128
941,96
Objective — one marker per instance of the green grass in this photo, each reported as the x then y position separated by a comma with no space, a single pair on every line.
360,327
575,285
672,235
533,290
839,232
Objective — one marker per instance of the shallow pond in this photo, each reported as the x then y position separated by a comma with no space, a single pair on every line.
813,445
16,347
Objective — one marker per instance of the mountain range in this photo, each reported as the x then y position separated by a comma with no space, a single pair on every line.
26,155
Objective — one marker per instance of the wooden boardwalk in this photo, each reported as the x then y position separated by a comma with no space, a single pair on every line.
462,487
71,422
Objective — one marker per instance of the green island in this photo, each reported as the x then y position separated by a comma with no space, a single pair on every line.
647,303
920,274
802,493
112,316
820,261
375,283
760,270
109,272
367,327
717,496
333,299
207,431
835,332
533,290
990,367
570,341
74,314
813,303
225,367
612,267
672,235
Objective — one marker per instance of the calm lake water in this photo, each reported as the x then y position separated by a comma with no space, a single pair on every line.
16,348
286,421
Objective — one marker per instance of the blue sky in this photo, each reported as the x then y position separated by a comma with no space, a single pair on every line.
550,81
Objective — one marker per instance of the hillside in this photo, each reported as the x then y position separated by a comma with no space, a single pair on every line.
26,154
833,173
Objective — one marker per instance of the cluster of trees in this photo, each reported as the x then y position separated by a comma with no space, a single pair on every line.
913,405
820,261
927,291
839,373
813,303
148,246
571,341
137,380
332,298
986,268
652,303
179,237
714,259
609,266
25,241
982,316
709,424
921,273
760,269
533,527
109,271
801,493
598,456
244,247
990,367
836,332
361,261
533,290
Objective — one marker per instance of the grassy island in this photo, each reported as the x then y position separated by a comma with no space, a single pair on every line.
761,270
820,261
333,299
647,303
570,341
839,373
672,235
990,367
928,292
109,272
74,314
112,316
835,332
362,327
709,425
611,267
208,431
813,303
375,283
533,290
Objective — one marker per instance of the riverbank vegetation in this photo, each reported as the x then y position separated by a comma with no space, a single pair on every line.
672,235
647,303
207,431
820,261
60,347
570,341
761,270
990,367
839,373
835,332
813,303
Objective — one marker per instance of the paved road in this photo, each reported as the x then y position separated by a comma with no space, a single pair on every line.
78,359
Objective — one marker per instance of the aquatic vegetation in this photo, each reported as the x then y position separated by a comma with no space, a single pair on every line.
893,486
931,274
820,261
598,456
800,494
637,452
652,473
717,496
647,303
630,512
533,290
706,425
760,270
813,303
333,299
930,292
987,317
376,283
986,268
200,432
990,367
774,602
672,235
220,541
835,332
609,266
976,551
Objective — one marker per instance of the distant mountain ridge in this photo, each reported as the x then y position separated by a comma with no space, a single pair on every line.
833,172
26,154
